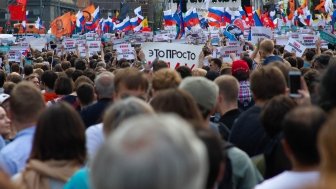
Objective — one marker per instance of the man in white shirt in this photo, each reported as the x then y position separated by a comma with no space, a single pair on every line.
300,129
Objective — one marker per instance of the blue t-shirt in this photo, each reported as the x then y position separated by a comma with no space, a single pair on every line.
272,58
80,180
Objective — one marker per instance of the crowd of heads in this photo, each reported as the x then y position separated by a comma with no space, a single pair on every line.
160,127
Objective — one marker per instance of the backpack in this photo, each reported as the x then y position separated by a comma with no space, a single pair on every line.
226,182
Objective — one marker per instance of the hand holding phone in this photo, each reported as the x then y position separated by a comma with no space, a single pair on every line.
294,83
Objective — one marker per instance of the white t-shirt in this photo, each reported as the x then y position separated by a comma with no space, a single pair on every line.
94,139
290,180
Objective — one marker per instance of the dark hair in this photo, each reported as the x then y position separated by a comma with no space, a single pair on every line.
48,78
157,65
241,75
216,155
217,61
273,113
267,82
301,127
80,64
184,71
90,74
28,69
292,61
327,90
2,78
178,102
76,74
93,63
312,79
299,62
212,75
321,61
59,135
65,65
249,61
57,68
63,85
85,93
15,68
309,55
288,54
45,67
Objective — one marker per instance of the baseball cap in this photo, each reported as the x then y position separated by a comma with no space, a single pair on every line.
204,91
239,65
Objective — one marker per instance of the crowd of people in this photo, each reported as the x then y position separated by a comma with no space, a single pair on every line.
100,123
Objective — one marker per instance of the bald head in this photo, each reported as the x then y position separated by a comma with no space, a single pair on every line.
104,85
228,87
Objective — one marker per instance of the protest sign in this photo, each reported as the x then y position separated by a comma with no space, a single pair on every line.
37,43
258,33
14,55
330,38
118,41
281,40
125,51
69,45
308,40
175,54
91,36
224,52
295,47
93,46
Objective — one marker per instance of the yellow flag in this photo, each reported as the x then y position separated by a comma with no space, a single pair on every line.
144,23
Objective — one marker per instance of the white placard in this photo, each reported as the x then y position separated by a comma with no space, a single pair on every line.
295,47
124,51
14,55
308,40
175,54
281,40
93,46
258,32
224,52
37,43
69,45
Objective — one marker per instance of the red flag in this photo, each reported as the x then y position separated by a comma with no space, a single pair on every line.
17,12
22,2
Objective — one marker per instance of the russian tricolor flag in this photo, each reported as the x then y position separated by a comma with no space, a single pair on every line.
96,14
168,18
91,26
125,25
134,22
138,13
191,18
79,19
216,13
107,25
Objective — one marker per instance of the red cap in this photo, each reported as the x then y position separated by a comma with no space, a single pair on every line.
239,65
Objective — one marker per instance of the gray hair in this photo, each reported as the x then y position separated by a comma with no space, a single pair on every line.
122,110
151,152
104,85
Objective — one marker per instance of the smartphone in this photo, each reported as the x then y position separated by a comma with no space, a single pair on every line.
294,82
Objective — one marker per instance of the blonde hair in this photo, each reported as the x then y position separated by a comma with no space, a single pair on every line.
199,72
